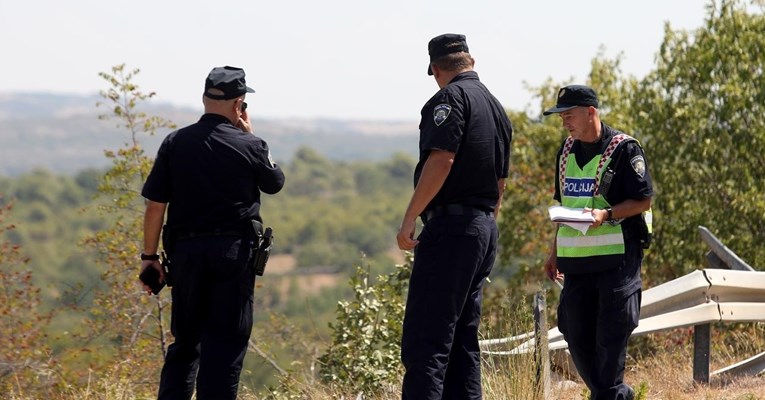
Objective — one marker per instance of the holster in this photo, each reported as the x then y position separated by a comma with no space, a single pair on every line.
168,245
645,235
261,241
165,261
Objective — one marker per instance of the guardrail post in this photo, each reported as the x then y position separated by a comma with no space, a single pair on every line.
723,254
701,338
714,261
541,352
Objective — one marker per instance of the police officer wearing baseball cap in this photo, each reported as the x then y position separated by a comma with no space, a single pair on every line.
602,171
211,174
464,159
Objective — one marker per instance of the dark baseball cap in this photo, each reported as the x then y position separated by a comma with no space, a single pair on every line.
574,96
229,81
447,43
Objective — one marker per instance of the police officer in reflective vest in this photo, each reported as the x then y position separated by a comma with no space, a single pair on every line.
211,173
464,159
603,172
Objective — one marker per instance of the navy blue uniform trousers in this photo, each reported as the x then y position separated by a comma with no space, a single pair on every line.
439,347
597,314
211,318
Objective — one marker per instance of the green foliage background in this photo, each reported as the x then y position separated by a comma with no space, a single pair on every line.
699,118
699,115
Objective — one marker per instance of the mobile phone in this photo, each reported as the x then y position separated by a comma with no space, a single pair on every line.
150,277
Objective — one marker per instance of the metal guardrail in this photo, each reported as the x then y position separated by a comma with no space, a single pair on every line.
735,294
719,251
701,297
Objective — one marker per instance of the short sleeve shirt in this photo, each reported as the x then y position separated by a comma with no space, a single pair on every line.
466,119
211,174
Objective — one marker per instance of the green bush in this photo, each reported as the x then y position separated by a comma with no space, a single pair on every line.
365,348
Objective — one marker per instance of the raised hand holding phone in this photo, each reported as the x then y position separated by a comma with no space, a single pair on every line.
244,119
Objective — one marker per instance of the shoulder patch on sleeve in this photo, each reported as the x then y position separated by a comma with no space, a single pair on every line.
441,113
638,164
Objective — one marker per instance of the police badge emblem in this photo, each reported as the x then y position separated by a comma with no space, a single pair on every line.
638,164
440,113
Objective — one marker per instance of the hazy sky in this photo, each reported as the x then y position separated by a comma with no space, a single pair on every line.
324,58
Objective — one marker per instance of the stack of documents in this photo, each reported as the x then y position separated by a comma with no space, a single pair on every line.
576,218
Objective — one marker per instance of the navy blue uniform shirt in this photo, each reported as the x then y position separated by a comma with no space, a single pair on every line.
462,118
212,173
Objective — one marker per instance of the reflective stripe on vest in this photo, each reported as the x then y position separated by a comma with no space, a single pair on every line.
606,156
648,217
579,189
588,246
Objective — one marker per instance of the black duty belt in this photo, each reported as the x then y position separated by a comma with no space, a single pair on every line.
453,209
211,232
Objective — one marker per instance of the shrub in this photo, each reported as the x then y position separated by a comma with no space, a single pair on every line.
366,338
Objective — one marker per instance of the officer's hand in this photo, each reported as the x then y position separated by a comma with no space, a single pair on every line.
244,122
599,215
151,264
551,269
405,237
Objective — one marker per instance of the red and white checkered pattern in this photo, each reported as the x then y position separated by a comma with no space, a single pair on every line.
612,145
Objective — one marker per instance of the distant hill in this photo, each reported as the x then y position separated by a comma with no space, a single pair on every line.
62,133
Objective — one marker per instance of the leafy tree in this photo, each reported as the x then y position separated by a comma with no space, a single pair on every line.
88,180
525,230
48,208
401,168
699,117
703,113
317,253
124,324
312,174
392,176
40,186
26,364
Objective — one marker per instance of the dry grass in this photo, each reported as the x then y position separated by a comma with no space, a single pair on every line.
669,376
666,376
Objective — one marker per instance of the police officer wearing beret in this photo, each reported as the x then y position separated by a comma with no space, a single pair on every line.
464,159
211,174
603,172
